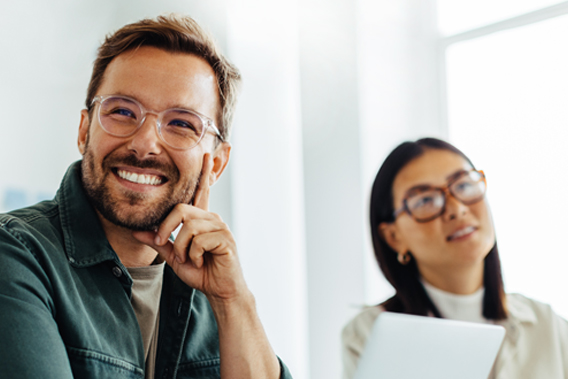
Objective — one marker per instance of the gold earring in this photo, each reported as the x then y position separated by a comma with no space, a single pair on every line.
403,258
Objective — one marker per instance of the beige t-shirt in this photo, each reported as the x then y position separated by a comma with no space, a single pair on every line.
146,293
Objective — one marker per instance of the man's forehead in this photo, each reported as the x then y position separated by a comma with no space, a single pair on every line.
151,60
160,79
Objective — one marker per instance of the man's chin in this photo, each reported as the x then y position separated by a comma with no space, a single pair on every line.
142,221
129,209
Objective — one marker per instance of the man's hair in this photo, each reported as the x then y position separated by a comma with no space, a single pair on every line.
175,34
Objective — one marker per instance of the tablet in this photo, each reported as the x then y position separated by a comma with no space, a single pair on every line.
402,346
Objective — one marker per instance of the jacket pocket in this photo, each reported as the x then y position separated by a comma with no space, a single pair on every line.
88,364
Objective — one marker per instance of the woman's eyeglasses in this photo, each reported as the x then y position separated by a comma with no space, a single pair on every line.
425,203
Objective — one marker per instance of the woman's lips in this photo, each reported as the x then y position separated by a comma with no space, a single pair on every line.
461,233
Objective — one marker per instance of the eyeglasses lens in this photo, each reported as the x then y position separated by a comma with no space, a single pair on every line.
119,116
179,128
469,188
426,205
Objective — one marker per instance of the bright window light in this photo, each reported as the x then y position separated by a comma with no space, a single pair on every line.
455,16
507,109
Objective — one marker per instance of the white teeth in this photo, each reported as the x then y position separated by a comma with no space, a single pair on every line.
139,178
462,232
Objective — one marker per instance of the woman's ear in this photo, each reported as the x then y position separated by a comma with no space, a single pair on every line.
390,234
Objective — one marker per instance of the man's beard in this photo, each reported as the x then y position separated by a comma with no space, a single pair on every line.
114,210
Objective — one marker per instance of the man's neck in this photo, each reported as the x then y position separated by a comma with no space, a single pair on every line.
130,251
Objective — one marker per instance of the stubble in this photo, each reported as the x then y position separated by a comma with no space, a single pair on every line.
118,209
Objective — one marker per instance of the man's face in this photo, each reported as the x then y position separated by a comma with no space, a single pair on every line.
135,181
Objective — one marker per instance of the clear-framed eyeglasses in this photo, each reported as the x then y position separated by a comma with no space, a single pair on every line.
122,116
425,203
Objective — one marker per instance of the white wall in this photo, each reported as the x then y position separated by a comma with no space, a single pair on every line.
267,198
332,175
399,92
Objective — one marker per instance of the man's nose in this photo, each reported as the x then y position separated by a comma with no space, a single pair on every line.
146,140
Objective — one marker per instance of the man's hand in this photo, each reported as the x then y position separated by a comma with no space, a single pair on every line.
204,254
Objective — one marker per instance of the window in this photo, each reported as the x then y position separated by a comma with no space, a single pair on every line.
506,99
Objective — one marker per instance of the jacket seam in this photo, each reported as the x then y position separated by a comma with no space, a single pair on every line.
32,217
101,357
184,336
17,235
211,362
50,213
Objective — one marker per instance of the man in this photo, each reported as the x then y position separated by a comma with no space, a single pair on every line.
84,289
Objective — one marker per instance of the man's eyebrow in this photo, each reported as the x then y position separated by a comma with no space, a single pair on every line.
174,106
119,93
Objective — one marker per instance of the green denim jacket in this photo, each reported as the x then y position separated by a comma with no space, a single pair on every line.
65,301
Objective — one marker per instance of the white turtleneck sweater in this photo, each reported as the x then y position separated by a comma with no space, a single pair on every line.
457,307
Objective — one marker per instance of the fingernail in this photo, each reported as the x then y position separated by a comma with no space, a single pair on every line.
178,259
158,240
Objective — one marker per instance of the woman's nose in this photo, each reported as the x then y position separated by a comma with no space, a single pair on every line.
454,208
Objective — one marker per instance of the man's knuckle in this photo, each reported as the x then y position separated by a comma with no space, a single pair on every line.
179,207
179,249
216,216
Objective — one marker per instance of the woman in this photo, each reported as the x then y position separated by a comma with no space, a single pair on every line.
434,240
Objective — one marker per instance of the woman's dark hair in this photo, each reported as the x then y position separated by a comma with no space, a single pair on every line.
410,296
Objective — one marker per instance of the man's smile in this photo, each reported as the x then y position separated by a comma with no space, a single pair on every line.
139,178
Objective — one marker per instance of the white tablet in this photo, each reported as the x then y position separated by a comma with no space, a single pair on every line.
409,347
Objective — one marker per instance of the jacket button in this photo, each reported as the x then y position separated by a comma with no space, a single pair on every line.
117,271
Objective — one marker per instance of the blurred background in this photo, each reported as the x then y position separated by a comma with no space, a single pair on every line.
330,87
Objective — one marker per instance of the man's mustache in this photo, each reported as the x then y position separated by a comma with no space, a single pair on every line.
170,171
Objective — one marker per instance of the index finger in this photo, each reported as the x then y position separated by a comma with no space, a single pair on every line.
201,199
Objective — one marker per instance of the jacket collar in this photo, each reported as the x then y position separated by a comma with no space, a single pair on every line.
85,241
520,311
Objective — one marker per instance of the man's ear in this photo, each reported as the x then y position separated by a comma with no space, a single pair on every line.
390,234
220,160
83,131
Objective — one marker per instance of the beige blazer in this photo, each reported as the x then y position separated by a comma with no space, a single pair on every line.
535,344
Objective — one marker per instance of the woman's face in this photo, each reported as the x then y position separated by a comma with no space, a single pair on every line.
458,239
